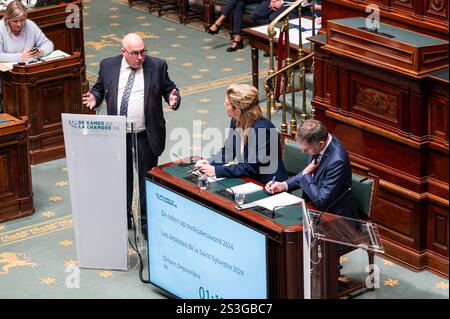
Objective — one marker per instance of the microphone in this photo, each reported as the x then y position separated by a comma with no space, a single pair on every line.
275,214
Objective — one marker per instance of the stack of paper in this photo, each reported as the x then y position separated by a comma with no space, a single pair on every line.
246,188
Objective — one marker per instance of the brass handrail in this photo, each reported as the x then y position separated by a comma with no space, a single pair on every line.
287,72
307,57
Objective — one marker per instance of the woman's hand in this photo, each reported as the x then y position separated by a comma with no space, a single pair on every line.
38,54
27,54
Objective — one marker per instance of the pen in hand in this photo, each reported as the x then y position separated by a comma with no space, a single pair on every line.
270,188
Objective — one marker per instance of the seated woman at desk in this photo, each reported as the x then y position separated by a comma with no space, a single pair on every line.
20,38
253,143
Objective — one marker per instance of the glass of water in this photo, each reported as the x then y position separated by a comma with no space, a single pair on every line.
202,181
239,198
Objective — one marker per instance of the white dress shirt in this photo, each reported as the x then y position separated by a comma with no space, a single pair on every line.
135,112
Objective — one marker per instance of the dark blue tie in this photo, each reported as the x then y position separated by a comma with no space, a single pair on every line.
126,93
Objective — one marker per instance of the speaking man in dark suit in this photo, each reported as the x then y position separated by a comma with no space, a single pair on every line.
133,85
328,174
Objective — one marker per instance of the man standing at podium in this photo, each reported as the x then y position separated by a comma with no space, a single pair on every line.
132,84
327,178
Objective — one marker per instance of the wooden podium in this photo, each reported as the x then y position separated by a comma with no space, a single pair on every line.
16,199
42,91
387,100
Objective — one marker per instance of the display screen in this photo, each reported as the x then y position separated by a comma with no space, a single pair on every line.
198,253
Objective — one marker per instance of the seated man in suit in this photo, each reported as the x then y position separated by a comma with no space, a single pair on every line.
253,143
328,175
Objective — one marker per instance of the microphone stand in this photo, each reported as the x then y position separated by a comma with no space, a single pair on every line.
275,214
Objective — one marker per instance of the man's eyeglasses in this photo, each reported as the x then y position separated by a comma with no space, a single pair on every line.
135,54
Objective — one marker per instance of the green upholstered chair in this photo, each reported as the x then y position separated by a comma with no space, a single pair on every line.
294,159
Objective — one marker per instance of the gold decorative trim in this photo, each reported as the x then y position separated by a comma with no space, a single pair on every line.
36,230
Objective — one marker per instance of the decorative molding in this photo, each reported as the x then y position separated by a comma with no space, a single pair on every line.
376,102
28,232
438,5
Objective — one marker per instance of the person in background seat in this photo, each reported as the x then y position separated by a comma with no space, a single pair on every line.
21,39
253,145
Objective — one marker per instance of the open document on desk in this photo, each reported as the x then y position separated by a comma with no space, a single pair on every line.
293,31
57,54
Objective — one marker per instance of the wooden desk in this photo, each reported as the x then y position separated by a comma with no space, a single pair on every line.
260,41
16,199
42,91
284,234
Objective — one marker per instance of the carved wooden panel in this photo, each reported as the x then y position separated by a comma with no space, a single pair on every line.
438,230
403,5
437,9
375,100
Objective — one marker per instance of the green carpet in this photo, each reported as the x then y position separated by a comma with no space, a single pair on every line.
39,248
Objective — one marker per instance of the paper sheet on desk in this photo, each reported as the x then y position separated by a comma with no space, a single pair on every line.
280,199
57,54
246,188
293,32
6,66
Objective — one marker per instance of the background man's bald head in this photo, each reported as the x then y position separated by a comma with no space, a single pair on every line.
131,40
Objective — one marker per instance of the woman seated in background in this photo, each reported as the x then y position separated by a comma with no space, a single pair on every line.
20,38
253,143
268,10
238,6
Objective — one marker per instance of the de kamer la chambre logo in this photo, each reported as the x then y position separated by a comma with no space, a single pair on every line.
93,125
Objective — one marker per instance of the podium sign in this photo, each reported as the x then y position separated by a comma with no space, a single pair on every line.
96,162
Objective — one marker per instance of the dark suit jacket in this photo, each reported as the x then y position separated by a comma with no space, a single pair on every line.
259,161
157,84
331,179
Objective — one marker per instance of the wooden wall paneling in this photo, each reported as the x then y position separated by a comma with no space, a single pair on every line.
15,173
438,236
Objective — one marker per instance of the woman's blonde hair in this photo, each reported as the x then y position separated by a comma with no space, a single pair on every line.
13,10
245,98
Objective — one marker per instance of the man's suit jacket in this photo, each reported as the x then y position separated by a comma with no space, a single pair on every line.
331,179
261,155
157,84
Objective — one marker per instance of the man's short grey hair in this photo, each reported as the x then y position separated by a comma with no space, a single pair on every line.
312,132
